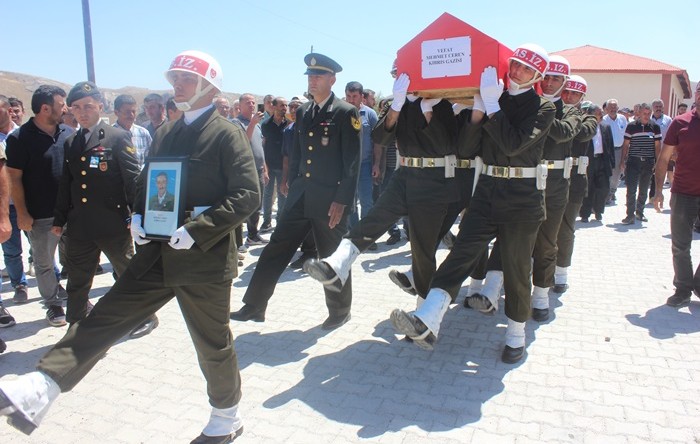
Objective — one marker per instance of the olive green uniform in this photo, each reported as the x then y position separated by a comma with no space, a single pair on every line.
221,175
510,209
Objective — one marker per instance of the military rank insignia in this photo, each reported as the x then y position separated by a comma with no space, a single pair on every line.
356,123
131,149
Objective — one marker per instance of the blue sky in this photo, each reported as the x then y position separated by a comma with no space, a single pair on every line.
261,45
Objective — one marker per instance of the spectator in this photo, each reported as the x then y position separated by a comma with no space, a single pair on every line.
7,229
222,105
155,110
272,132
125,109
617,123
16,110
173,112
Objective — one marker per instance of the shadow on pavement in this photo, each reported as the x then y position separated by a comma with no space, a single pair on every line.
276,348
664,322
388,384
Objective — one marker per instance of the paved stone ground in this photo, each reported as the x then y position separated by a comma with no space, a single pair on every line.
614,365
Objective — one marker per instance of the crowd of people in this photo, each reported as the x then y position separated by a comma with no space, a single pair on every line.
518,165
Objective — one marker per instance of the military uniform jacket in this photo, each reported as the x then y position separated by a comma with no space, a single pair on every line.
579,147
513,136
324,160
415,137
221,174
98,184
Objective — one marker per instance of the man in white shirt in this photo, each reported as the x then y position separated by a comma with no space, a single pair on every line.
618,124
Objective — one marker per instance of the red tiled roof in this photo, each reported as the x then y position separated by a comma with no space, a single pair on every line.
589,58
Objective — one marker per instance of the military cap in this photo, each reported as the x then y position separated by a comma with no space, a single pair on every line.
82,90
319,64
585,105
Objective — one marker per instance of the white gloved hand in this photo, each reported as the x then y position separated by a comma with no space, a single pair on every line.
479,103
458,108
181,239
138,234
491,89
399,90
426,105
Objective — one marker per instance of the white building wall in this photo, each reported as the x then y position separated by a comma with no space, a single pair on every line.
628,89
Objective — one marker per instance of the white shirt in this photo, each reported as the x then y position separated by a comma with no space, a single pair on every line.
598,142
664,122
618,127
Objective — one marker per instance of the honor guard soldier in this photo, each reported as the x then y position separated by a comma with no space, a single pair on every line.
573,94
432,185
95,196
509,129
196,266
323,169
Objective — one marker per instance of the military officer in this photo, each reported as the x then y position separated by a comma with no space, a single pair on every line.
323,170
573,94
509,129
196,265
95,196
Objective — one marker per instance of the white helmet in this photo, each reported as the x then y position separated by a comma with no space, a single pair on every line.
558,66
201,64
576,84
533,56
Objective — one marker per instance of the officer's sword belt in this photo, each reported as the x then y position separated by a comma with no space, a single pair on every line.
434,162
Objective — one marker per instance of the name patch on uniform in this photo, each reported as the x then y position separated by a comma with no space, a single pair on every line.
94,161
103,166
355,123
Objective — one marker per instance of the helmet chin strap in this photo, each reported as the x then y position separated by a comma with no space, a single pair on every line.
186,106
557,93
515,88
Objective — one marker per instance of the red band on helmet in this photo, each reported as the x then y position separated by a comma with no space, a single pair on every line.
531,58
575,86
190,63
558,68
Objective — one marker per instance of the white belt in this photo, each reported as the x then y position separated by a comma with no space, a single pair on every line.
510,172
577,160
433,162
554,164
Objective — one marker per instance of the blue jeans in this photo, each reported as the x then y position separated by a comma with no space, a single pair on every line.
12,252
269,193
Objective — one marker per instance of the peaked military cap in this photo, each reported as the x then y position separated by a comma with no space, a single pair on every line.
319,64
82,90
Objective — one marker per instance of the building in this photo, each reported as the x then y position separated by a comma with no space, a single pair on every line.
628,78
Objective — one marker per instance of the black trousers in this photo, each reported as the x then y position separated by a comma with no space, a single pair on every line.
205,308
428,223
598,188
516,242
82,258
638,172
684,210
291,230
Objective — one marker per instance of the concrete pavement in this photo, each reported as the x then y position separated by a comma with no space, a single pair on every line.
613,365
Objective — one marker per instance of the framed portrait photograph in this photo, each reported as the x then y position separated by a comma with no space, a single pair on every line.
165,212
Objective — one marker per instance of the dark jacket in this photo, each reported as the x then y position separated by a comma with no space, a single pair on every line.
608,148
578,188
221,174
325,158
98,184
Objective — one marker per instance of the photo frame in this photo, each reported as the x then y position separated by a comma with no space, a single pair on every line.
166,178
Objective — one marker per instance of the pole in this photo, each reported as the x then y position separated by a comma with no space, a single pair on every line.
87,27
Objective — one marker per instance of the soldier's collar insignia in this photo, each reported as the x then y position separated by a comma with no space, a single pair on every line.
355,123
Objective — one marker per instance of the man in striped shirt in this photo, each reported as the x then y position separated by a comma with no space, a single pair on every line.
639,152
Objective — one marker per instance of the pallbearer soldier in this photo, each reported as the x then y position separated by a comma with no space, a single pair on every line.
95,197
432,185
196,266
573,94
509,129
323,169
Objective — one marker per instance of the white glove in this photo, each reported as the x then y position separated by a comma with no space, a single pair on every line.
426,105
458,108
399,90
181,239
138,234
479,103
491,89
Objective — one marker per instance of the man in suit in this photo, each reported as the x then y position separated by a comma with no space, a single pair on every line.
162,200
601,152
323,173
196,266
98,184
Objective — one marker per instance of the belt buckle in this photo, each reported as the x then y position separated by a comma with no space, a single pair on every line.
516,172
463,163
413,162
499,171
550,164
431,163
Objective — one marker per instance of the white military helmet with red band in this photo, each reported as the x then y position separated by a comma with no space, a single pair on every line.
577,84
532,55
558,66
199,63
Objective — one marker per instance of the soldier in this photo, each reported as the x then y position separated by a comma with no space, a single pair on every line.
323,170
98,184
196,266
432,185
574,92
509,129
